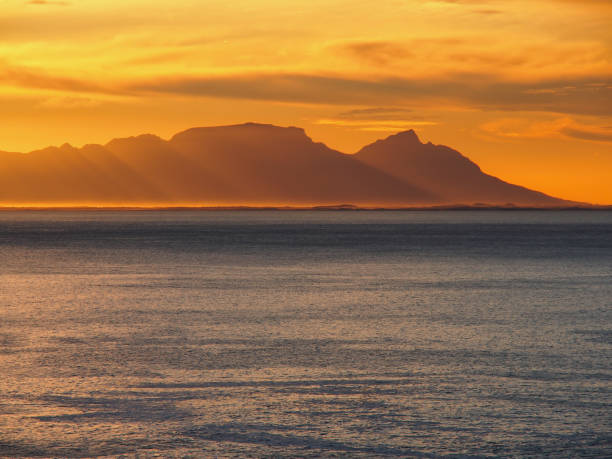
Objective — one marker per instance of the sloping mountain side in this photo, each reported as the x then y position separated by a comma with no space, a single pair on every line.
252,164
445,172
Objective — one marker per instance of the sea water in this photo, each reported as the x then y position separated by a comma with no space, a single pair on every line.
306,333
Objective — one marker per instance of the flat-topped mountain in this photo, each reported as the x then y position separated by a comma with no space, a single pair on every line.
252,164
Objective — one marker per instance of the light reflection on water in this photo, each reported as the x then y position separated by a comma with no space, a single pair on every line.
305,333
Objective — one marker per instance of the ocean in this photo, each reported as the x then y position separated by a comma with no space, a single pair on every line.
306,333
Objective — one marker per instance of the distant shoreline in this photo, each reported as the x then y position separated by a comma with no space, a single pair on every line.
343,207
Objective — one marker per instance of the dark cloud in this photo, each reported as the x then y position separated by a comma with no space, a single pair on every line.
488,11
590,95
281,87
377,52
587,135
489,59
579,95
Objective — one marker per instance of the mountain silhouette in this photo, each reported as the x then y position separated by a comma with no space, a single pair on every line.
270,164
445,172
252,164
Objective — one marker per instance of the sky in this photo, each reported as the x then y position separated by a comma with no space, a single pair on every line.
523,88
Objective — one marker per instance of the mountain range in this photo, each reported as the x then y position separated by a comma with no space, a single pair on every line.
256,165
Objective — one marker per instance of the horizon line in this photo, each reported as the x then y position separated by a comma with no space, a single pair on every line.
338,207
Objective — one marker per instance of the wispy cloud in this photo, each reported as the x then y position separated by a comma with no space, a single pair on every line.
518,128
439,55
157,58
377,52
472,2
588,134
376,113
48,2
586,95
466,2
375,125
488,11
590,95
28,77
378,119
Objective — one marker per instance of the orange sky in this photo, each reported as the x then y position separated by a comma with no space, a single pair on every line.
521,87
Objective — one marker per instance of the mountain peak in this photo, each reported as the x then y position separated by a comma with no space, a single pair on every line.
67,147
408,137
397,142
244,133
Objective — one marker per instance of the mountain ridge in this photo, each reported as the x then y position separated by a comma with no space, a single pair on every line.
255,164
438,167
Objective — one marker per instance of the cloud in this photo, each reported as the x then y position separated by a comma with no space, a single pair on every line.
478,54
580,95
520,128
375,125
473,2
377,52
378,119
376,113
157,58
590,95
39,79
488,11
48,2
587,2
467,2
69,102
578,133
